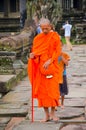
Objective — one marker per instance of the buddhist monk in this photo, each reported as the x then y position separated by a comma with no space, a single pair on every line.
43,70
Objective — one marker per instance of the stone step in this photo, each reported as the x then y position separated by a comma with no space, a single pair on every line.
9,20
7,53
9,24
8,81
21,112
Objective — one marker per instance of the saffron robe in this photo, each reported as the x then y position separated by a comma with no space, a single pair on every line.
45,47
61,65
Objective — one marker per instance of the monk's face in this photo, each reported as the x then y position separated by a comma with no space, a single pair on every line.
46,28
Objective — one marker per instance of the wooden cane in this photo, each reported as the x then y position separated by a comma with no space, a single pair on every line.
32,119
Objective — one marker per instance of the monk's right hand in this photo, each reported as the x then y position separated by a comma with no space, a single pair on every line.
47,63
32,55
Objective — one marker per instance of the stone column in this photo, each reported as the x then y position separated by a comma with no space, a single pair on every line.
23,12
22,5
68,4
6,8
71,3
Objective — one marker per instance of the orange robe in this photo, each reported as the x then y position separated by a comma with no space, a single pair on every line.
61,66
44,89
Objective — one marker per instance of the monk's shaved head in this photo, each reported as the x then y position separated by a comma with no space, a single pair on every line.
44,21
45,25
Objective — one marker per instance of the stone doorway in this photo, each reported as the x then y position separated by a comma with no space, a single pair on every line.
77,4
1,5
14,5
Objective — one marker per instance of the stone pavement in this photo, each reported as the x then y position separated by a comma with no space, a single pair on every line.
15,106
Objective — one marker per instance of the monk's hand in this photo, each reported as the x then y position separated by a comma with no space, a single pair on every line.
32,55
47,63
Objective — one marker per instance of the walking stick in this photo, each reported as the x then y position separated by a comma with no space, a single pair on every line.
32,112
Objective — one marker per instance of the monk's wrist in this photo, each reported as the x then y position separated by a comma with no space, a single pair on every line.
51,60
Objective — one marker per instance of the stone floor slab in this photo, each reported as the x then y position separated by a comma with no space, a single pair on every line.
16,96
22,112
26,125
6,78
4,120
69,112
10,105
2,127
75,127
75,102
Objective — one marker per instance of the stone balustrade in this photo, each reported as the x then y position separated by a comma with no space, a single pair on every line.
14,47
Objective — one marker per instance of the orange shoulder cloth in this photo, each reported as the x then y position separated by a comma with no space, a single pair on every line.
41,42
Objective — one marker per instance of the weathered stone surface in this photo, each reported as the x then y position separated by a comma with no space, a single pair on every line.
66,113
79,120
85,110
4,120
27,125
75,127
16,96
18,64
6,78
8,81
15,42
5,81
76,92
8,105
16,102
76,102
22,112
22,88
2,127
70,112
13,122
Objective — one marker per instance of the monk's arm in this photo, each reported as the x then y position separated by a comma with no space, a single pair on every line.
55,55
57,51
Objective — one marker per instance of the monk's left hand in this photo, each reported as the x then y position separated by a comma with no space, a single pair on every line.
47,63
31,55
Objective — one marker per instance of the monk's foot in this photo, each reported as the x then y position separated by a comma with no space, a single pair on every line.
55,119
62,106
45,120
55,108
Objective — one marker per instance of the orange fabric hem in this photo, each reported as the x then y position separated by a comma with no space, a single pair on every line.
48,102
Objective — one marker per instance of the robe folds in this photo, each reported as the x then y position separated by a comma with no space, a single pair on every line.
61,65
46,90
